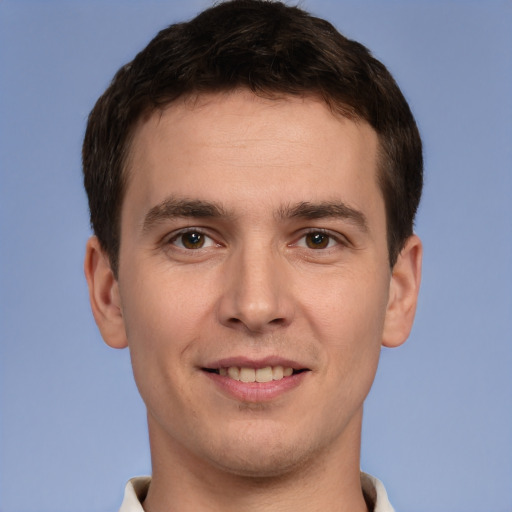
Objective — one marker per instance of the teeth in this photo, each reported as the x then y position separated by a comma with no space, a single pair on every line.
247,374
277,372
234,372
266,374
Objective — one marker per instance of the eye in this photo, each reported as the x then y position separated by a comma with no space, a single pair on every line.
318,240
192,239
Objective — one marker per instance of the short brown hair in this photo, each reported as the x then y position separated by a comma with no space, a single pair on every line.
271,49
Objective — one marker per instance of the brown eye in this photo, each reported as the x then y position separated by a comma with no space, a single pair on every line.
317,240
191,240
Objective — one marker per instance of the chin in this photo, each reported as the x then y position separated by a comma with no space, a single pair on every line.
264,466
260,456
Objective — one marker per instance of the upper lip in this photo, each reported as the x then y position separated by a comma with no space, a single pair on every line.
246,362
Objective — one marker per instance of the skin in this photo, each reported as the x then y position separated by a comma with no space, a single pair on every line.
257,287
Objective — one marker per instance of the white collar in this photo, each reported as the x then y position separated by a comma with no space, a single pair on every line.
374,489
137,488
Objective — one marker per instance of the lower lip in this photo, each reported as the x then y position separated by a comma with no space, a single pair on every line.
256,391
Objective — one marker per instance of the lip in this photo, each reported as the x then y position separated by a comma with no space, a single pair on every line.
247,362
255,392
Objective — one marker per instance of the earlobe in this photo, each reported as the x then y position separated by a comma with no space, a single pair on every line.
104,295
403,293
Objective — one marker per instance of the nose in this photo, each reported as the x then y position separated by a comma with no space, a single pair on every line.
256,294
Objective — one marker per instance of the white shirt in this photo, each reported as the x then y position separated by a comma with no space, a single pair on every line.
136,490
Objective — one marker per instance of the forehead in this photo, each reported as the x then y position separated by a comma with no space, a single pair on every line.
245,147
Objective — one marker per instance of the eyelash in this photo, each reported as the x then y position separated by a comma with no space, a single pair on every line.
331,238
191,231
337,238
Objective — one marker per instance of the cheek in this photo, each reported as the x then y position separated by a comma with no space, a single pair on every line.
163,307
346,305
161,325
347,316
163,317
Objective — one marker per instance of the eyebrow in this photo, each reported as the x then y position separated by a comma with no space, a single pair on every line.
171,208
333,209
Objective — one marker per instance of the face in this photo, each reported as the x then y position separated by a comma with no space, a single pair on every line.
254,283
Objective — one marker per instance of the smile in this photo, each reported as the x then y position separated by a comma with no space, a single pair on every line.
245,374
255,382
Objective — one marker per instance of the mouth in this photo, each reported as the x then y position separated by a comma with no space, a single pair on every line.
249,374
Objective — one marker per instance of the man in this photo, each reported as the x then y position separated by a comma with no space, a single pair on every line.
253,178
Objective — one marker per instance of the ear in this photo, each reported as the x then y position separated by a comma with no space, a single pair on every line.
104,295
403,293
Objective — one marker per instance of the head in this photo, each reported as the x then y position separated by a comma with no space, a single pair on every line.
272,50
252,178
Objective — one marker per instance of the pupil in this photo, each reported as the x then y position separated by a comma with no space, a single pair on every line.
317,240
193,240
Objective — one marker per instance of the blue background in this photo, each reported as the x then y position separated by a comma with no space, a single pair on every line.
438,423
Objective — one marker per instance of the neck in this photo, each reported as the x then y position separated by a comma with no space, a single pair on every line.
327,481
